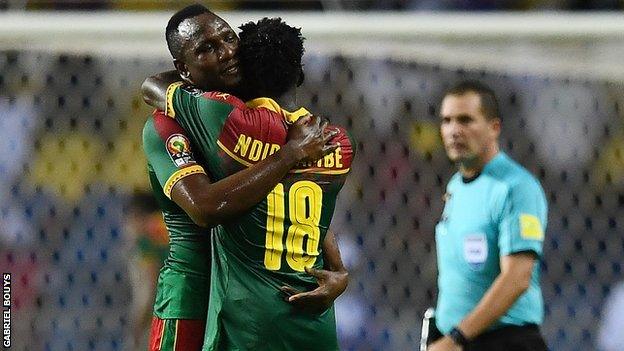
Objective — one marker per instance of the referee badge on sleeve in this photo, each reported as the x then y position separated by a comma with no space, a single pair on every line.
531,227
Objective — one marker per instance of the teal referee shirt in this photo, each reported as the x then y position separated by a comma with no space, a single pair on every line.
500,212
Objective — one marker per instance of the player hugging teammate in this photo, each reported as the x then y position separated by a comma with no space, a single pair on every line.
250,169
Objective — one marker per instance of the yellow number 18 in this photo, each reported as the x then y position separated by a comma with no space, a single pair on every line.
305,199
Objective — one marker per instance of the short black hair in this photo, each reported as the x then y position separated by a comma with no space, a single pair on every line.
174,42
489,103
270,57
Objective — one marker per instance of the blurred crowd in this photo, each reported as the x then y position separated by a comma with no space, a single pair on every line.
324,5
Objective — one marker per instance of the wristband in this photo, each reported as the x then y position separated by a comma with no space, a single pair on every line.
458,337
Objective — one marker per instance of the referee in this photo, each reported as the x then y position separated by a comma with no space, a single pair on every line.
489,239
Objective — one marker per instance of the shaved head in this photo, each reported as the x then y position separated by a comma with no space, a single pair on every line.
204,49
181,28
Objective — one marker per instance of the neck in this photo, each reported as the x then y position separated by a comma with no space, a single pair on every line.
470,168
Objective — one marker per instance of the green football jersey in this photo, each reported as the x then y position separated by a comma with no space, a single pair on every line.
184,280
270,245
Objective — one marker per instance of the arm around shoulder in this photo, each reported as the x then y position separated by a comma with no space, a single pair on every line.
154,88
209,204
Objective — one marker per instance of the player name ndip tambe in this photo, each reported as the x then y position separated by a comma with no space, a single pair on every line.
256,150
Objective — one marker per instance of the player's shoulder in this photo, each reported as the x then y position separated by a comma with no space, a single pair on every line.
164,124
267,111
161,127
149,128
216,96
193,92
345,140
347,146
226,98
336,163
343,135
261,115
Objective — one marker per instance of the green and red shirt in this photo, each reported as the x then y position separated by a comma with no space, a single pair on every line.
184,281
270,245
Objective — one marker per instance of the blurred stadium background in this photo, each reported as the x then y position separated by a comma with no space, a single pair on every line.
71,155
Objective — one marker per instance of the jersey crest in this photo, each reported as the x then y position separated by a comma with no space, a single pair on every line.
179,149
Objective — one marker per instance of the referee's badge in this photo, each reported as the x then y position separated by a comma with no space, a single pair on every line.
475,250
531,227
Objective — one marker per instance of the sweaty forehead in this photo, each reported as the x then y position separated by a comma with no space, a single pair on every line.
188,28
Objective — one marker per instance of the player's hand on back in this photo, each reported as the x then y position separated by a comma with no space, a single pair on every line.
331,285
310,138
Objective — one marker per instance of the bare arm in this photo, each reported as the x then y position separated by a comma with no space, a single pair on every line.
332,282
209,204
331,254
154,88
512,282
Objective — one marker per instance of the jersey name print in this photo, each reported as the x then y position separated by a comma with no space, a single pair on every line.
270,245
247,144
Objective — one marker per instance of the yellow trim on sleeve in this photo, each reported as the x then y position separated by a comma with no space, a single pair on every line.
267,103
169,110
292,117
272,105
179,174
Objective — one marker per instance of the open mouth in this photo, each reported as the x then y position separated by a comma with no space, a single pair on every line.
231,69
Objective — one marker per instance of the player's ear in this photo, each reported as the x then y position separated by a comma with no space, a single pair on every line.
182,69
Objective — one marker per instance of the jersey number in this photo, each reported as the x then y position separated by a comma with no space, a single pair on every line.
304,211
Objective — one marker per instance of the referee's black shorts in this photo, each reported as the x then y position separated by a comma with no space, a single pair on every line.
510,338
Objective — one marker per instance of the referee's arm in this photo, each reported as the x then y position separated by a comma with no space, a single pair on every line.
513,281
521,233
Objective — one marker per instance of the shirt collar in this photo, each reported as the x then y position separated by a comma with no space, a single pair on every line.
499,157
272,105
